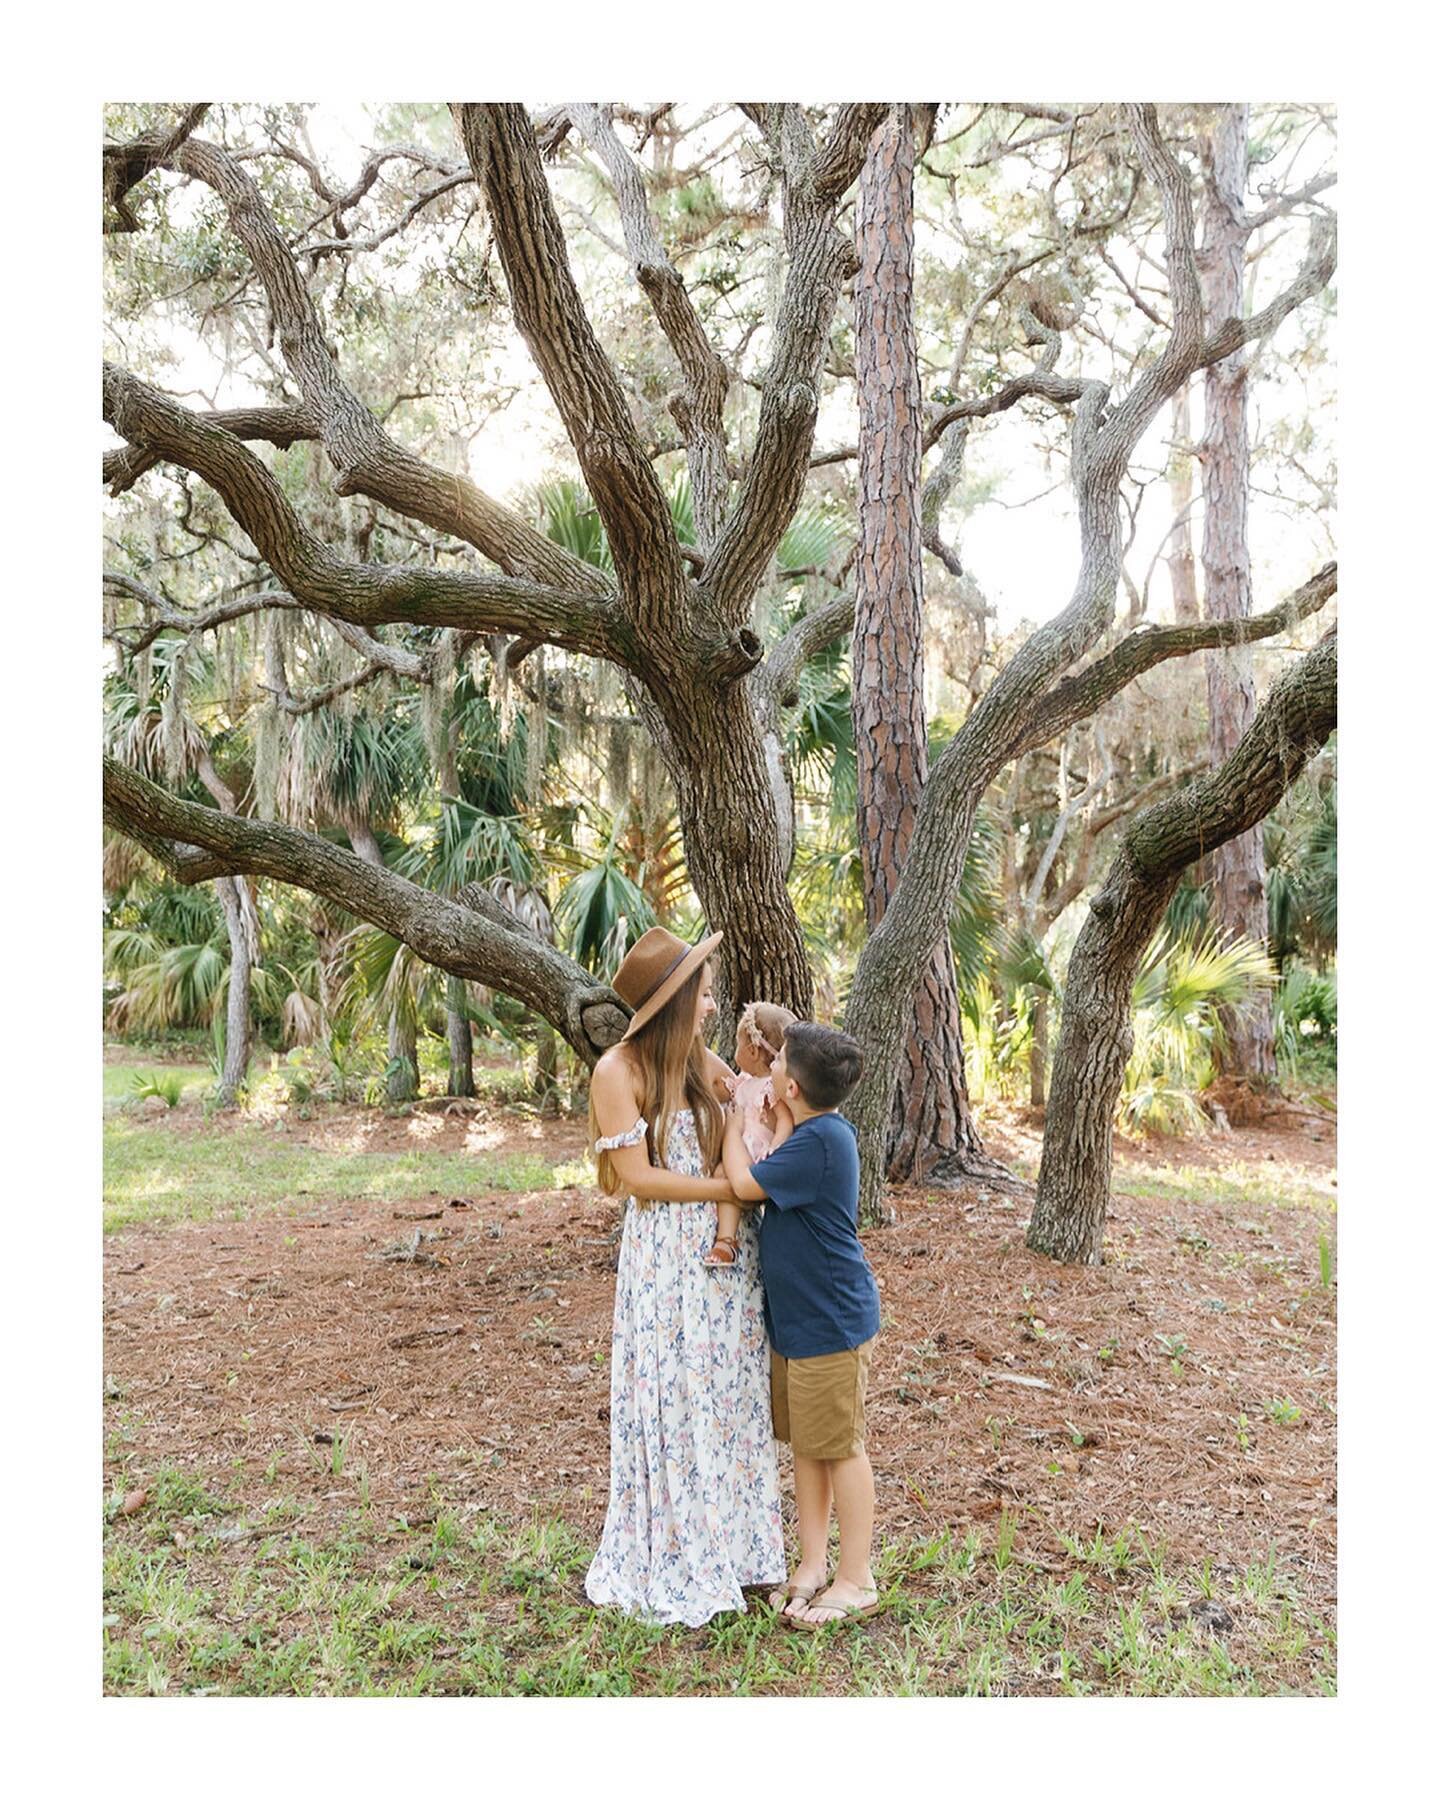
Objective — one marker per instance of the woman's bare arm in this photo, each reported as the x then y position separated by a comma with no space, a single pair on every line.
617,1107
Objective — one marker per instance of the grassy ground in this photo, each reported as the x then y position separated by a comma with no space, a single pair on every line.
201,1598
120,1079
263,1555
155,1176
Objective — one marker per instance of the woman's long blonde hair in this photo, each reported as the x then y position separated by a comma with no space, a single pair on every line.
669,1057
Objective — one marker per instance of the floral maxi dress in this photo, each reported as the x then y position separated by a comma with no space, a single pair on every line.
694,1509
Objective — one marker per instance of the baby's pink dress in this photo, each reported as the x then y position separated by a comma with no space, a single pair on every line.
749,1096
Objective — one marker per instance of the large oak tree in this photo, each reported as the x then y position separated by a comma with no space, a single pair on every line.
676,620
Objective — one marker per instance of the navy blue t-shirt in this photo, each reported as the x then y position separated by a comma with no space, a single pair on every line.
820,1295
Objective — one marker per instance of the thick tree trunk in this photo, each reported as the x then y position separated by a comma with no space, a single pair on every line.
461,1082
1096,1035
1236,870
237,1007
732,852
930,1117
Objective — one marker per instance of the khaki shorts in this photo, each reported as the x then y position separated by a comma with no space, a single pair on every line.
817,1403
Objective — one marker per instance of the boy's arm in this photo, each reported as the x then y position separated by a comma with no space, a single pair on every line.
736,1160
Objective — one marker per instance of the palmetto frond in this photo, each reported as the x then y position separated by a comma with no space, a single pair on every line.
465,844
567,515
812,537
599,912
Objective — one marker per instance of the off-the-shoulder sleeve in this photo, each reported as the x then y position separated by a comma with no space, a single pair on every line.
633,1136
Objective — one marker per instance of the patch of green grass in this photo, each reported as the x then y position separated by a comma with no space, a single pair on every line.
120,1079
481,1605
156,1175
1235,1186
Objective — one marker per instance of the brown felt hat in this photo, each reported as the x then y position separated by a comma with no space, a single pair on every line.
657,967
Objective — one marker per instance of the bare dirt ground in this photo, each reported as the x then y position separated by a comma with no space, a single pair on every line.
1001,1380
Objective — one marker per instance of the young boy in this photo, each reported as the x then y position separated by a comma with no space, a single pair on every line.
822,1312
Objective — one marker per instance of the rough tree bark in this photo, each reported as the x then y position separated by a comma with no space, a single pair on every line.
931,1118
460,1082
1235,870
471,935
237,1002
687,644
1096,1036
1180,555
1028,701
692,640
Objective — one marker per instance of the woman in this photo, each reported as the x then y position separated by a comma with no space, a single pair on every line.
694,1511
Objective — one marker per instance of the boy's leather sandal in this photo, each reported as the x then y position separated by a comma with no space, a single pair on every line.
724,1252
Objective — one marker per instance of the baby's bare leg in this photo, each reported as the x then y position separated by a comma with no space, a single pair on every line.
727,1226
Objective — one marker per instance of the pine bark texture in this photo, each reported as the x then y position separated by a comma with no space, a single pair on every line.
1236,869
931,1116
1096,1032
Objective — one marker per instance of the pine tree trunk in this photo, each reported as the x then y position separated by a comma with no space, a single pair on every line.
237,1009
1180,556
931,1120
1236,871
461,1082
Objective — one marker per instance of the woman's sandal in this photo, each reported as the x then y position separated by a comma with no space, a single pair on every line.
780,1597
844,1615
724,1253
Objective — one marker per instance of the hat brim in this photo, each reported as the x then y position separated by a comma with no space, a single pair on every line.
672,984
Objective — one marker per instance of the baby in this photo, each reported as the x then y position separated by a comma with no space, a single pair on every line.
764,1122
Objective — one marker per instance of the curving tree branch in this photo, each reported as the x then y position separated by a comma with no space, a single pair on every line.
278,425
1096,1036
1079,696
355,593
125,165
198,843
366,458
699,408
500,143
820,259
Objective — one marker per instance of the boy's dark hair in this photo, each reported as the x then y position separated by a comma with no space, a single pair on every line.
824,1064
